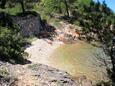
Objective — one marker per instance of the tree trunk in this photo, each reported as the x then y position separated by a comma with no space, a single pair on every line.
112,55
67,10
22,6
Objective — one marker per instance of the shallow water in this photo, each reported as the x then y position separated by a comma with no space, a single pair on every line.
79,59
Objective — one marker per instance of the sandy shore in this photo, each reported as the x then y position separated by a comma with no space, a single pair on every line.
41,49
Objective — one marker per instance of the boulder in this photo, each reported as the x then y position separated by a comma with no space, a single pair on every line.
30,23
49,76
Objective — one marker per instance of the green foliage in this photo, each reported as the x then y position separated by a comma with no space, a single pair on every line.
11,45
13,11
61,6
53,6
96,18
31,38
16,6
4,71
92,16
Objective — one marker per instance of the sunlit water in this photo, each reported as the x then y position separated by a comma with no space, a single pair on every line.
80,59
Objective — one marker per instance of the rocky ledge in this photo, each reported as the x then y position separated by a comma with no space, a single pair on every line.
49,76
36,75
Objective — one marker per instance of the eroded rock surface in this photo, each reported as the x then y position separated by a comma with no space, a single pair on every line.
49,76
34,75
29,24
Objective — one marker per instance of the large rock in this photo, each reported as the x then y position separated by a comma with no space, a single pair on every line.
30,23
37,75
49,76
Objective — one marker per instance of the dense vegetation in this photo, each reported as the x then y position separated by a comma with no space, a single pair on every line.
11,40
11,45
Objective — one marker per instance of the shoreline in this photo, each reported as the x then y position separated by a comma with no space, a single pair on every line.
41,49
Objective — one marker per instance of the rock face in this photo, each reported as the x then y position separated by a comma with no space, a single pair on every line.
29,23
49,76
34,75
37,75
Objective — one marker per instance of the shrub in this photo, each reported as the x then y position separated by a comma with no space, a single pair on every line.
11,45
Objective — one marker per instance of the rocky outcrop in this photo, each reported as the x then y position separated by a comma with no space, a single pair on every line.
49,76
34,75
37,75
30,23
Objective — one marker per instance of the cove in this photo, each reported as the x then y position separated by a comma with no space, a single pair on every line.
80,59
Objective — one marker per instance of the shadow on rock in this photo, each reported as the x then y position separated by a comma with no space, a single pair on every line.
47,31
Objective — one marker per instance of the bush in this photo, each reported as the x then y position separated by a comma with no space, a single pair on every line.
11,45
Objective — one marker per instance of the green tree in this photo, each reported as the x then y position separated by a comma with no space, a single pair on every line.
24,4
11,45
67,7
55,6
